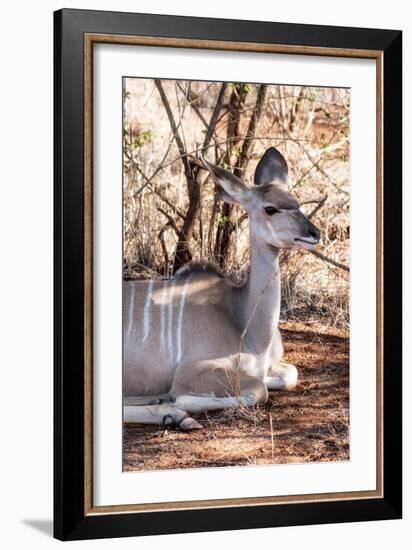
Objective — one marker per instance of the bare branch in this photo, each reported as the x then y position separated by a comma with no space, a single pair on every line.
191,100
183,254
169,218
315,163
215,114
173,125
161,196
242,218
162,165
211,126
329,260
163,244
249,140
321,202
148,183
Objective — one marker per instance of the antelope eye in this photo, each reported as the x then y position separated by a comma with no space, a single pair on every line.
271,210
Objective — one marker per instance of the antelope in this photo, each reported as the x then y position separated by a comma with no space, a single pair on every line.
197,342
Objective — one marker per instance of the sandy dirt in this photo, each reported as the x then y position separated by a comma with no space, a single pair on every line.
309,424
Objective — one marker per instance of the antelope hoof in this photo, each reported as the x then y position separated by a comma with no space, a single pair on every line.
291,376
188,424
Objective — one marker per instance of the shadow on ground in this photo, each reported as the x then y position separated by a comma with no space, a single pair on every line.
309,424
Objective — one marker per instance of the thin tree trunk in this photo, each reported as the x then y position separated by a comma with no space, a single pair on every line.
182,253
236,103
228,226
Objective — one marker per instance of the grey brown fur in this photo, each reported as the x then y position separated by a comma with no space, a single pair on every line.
198,267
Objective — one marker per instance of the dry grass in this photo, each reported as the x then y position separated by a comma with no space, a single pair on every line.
310,424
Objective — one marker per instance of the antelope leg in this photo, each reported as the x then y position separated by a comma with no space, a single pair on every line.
162,415
281,377
200,403
146,399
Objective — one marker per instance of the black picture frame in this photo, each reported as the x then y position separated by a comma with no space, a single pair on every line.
71,521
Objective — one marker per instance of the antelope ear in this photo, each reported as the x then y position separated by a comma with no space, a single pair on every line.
232,189
271,169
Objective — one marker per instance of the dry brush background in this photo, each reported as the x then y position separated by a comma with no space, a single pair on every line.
172,214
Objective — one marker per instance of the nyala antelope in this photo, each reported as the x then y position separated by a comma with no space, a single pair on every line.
197,342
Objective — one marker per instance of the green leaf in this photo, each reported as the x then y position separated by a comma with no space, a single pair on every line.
236,150
242,88
223,220
323,141
143,137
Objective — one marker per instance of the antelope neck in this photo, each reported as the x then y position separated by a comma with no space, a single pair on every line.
261,299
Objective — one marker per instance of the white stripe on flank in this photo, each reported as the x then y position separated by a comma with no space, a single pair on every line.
162,317
147,311
131,310
170,318
180,319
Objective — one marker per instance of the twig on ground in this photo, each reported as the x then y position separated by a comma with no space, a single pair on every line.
272,437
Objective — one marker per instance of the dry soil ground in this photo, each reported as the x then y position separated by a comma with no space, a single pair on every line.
310,424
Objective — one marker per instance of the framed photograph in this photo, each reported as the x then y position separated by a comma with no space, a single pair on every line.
227,274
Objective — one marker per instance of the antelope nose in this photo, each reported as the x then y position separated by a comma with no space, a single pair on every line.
314,233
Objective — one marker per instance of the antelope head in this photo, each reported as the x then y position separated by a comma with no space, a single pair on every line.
274,214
